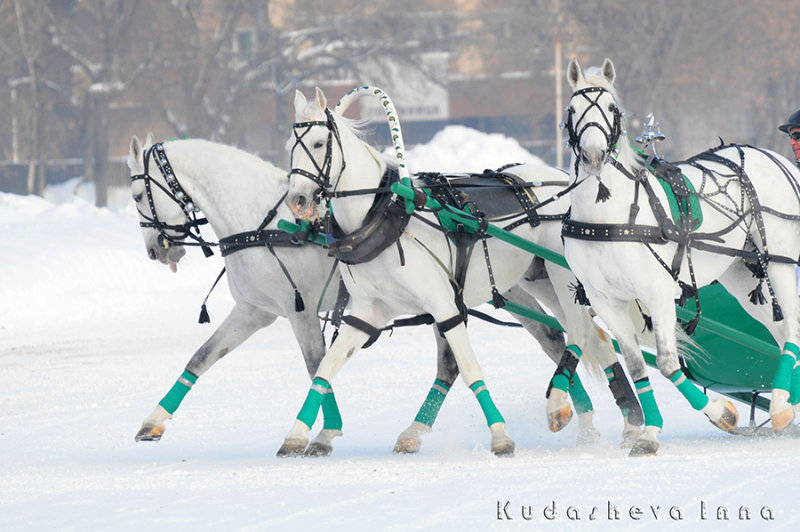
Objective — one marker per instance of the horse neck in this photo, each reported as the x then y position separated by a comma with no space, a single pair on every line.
616,209
363,170
233,189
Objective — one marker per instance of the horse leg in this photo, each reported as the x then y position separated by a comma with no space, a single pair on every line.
558,409
787,377
349,341
410,440
720,412
614,313
472,375
583,332
305,326
241,323
786,383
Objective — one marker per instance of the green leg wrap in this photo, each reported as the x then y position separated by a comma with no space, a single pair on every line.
430,408
692,393
175,395
566,368
783,377
579,396
308,413
794,396
487,405
652,416
330,412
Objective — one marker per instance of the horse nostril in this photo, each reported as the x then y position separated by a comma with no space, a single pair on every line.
151,253
301,201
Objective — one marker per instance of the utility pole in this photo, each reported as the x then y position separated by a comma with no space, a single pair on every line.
559,83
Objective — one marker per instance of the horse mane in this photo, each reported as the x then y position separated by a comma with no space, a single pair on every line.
361,128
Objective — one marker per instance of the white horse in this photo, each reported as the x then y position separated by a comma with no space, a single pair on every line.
410,271
749,228
237,192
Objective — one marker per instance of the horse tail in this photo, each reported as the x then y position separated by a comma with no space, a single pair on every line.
688,348
600,340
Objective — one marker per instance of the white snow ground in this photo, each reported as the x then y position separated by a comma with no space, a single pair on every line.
92,334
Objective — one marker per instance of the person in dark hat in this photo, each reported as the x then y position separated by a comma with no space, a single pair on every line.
792,128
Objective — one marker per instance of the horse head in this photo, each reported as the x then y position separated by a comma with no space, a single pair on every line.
163,220
315,148
594,116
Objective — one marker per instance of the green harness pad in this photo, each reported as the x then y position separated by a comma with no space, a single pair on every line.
684,205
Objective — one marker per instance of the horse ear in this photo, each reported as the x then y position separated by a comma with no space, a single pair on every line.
609,72
321,100
574,73
149,140
300,101
135,153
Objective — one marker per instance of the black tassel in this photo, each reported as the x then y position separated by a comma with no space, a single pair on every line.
602,192
691,325
299,305
497,299
756,296
777,314
204,317
206,251
687,293
580,294
648,323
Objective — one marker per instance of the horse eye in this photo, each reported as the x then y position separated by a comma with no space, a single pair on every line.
612,107
318,145
137,198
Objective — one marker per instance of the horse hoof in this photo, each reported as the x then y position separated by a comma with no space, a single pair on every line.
504,448
729,418
587,433
318,450
644,447
502,445
782,419
588,436
292,447
409,441
150,433
629,437
558,419
408,445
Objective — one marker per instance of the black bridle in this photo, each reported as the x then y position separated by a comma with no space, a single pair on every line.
611,130
169,233
322,178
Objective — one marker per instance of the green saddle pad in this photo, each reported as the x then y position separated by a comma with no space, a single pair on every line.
681,204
